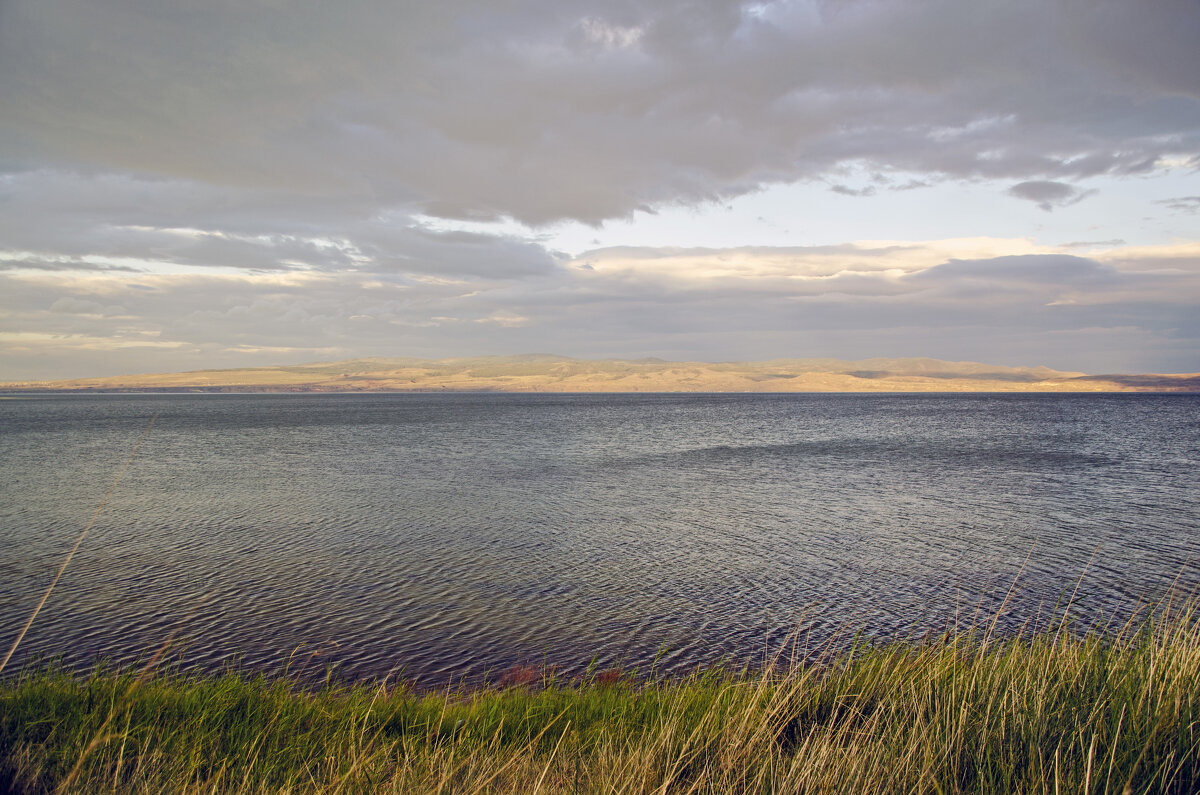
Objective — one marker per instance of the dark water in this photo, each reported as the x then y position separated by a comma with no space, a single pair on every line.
450,536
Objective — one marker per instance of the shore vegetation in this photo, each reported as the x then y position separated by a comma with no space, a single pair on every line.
1052,711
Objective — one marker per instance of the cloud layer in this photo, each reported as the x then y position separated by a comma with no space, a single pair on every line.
1101,312
262,181
588,110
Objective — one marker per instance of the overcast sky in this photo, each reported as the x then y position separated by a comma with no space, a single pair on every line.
244,182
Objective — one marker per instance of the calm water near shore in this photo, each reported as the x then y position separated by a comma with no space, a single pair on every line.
453,535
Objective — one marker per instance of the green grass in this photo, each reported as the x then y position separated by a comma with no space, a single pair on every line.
1050,712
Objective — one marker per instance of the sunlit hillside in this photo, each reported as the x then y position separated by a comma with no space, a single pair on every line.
549,373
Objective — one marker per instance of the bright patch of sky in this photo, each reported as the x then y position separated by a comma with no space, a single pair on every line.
1129,209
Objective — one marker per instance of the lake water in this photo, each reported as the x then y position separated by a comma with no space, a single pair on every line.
451,536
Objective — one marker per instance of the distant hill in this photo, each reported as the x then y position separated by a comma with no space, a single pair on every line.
550,373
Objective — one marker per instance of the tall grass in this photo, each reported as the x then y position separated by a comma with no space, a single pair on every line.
1047,712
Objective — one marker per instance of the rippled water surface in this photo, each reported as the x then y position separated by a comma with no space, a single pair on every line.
452,536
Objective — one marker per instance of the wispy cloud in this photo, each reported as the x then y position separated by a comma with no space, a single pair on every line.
1005,297
1183,204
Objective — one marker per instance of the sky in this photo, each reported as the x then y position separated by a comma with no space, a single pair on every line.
249,182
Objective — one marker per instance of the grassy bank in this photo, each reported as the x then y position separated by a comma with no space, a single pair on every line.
1050,712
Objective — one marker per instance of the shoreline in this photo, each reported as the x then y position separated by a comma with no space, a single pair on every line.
234,390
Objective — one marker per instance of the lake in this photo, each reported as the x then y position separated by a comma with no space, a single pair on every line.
448,537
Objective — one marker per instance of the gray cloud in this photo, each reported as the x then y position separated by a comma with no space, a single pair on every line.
846,190
60,219
1183,204
61,264
912,184
589,110
1048,195
1094,243
1063,311
1035,269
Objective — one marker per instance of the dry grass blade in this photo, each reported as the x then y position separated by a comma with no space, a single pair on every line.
32,616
